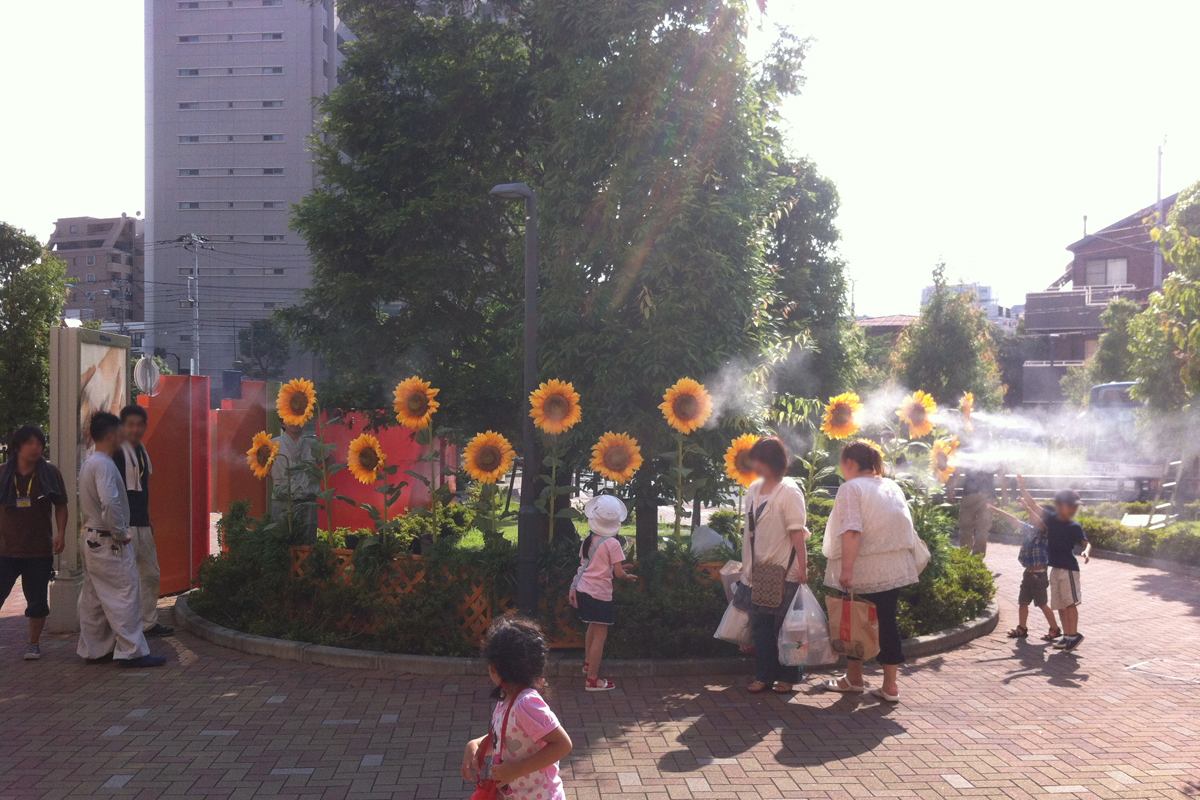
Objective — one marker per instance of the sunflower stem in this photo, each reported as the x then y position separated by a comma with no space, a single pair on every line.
679,491
553,479
324,471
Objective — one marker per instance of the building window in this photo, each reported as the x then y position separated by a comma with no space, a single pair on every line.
272,205
189,173
272,103
91,276
185,337
272,70
189,73
272,37
1107,272
91,261
272,137
189,206
74,229
277,271
269,305
189,140
266,171
188,106
272,2
189,6
188,39
273,238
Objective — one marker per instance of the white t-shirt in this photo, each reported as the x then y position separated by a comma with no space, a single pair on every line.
784,511
887,557
595,575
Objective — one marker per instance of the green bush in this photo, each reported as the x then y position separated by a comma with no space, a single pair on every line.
1179,542
725,522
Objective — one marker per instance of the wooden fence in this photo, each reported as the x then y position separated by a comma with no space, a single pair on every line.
475,610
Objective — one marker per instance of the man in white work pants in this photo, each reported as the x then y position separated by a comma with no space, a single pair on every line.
110,616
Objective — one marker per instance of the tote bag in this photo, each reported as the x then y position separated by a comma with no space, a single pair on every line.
853,627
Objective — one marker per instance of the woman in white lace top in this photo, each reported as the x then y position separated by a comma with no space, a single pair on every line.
873,550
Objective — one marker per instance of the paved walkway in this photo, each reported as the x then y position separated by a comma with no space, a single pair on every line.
993,719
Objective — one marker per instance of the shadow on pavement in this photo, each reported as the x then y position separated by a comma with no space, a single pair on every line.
1170,587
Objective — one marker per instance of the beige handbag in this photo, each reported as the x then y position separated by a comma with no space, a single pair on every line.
770,580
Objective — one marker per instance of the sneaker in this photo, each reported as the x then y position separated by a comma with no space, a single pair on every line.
33,652
1061,642
144,661
160,630
1074,641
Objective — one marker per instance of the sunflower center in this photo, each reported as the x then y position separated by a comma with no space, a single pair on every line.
488,458
417,403
916,414
298,403
686,407
742,462
262,455
617,459
943,461
368,458
842,415
556,408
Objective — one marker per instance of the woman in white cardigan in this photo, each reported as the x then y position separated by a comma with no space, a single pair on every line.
873,550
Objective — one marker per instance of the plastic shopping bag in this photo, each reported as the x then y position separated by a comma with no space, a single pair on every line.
735,627
731,573
804,636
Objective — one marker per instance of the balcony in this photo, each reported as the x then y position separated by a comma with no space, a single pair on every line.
1073,310
1041,381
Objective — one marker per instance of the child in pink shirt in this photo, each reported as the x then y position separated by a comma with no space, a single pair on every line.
525,741
600,556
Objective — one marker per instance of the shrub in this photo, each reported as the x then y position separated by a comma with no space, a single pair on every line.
1179,542
725,522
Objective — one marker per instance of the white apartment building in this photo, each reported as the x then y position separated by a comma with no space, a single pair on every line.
1004,318
229,111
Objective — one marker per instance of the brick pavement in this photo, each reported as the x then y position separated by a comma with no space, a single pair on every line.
993,719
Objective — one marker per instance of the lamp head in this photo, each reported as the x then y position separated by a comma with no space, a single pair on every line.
512,191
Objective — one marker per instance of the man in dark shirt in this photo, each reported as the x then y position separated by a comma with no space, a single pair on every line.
33,524
133,462
974,512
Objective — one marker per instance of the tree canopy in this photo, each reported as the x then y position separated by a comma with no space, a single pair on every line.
32,286
950,349
263,349
1112,359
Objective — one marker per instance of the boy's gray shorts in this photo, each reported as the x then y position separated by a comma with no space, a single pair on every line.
1034,588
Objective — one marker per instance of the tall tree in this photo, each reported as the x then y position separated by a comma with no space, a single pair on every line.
1112,359
264,349
950,349
678,237
32,286
1165,338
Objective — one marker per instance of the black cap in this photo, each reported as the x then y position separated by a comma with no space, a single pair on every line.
1066,497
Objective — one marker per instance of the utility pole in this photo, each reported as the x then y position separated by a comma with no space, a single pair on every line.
1158,208
194,242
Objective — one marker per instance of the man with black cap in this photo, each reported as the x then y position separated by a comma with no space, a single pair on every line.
1063,533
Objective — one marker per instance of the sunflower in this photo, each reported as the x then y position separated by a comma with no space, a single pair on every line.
686,405
941,457
414,403
842,416
488,456
261,454
917,410
555,407
366,459
967,406
616,456
297,401
737,459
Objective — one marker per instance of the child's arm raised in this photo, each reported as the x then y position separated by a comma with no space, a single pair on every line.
619,571
558,746
1034,519
470,763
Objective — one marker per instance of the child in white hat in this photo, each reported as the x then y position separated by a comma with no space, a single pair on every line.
600,557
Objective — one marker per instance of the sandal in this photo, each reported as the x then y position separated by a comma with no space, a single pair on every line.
598,685
836,685
1052,634
757,687
585,668
1019,632
782,687
882,695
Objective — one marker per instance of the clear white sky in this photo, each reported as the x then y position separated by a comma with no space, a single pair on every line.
980,135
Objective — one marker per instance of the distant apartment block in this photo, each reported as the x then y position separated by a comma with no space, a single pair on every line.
229,111
105,268
998,315
1116,261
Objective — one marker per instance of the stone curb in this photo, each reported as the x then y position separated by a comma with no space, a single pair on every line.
1111,555
396,663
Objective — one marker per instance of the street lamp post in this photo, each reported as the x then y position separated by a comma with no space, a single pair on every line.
527,517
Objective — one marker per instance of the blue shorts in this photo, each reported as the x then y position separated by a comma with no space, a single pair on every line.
592,610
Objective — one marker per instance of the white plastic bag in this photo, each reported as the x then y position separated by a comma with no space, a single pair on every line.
804,637
731,573
735,627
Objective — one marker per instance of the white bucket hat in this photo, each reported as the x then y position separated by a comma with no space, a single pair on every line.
605,514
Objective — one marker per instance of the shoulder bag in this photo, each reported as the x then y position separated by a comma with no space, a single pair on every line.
487,788
770,580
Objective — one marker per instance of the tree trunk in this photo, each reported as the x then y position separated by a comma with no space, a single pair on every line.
646,525
695,513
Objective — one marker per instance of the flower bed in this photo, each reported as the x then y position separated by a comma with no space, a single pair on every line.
440,603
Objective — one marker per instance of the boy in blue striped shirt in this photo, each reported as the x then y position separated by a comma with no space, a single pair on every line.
1035,583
